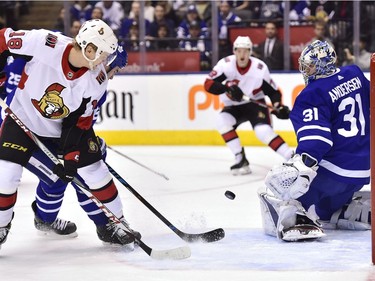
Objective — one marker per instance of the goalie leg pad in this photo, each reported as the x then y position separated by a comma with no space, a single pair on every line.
354,216
288,220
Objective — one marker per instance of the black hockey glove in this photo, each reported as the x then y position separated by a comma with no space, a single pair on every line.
234,93
281,112
67,171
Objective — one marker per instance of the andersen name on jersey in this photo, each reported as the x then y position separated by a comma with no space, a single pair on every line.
331,118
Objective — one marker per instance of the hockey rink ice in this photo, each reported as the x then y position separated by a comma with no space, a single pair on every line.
193,200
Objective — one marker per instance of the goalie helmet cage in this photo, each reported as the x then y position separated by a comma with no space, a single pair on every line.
372,152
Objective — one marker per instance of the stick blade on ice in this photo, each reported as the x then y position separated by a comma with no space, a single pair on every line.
173,254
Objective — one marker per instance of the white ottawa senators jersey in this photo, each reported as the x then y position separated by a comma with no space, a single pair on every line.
49,90
249,79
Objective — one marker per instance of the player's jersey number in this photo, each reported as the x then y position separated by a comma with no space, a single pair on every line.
352,116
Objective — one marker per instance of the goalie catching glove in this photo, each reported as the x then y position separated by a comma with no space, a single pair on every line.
281,111
235,93
292,179
68,171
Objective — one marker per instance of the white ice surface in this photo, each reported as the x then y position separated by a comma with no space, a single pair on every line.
193,200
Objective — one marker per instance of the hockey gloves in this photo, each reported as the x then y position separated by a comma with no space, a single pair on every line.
67,171
234,93
121,59
281,111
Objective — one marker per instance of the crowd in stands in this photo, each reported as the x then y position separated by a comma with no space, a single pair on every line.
186,25
11,11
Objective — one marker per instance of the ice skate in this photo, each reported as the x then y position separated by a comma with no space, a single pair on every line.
59,228
113,234
4,233
304,230
242,165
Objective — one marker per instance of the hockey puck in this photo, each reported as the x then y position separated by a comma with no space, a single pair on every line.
230,195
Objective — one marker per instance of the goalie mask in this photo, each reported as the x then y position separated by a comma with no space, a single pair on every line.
98,33
317,60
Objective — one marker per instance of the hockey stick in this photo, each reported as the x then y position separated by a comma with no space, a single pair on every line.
136,162
262,104
210,236
177,253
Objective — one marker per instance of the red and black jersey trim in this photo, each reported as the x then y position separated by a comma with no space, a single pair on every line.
69,72
7,201
107,193
231,135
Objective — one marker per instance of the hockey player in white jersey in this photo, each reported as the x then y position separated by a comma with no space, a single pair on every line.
234,77
56,97
319,188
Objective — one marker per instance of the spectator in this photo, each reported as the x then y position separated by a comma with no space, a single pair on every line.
148,11
320,32
162,40
241,8
132,40
160,19
59,25
300,11
2,22
81,10
271,10
196,41
113,13
271,51
226,18
129,22
9,12
97,13
364,58
322,10
191,16
74,28
170,13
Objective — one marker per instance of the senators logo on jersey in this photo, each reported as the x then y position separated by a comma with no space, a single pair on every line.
93,146
51,40
51,105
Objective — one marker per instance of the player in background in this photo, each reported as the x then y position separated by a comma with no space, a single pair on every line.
56,97
234,77
319,188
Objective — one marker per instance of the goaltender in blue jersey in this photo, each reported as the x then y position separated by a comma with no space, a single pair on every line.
319,188
331,120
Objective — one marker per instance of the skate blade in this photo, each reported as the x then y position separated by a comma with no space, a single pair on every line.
302,233
241,171
53,235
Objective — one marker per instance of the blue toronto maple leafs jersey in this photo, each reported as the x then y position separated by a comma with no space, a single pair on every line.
13,70
331,118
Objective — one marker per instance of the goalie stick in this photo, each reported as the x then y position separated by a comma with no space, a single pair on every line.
176,253
210,236
136,162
